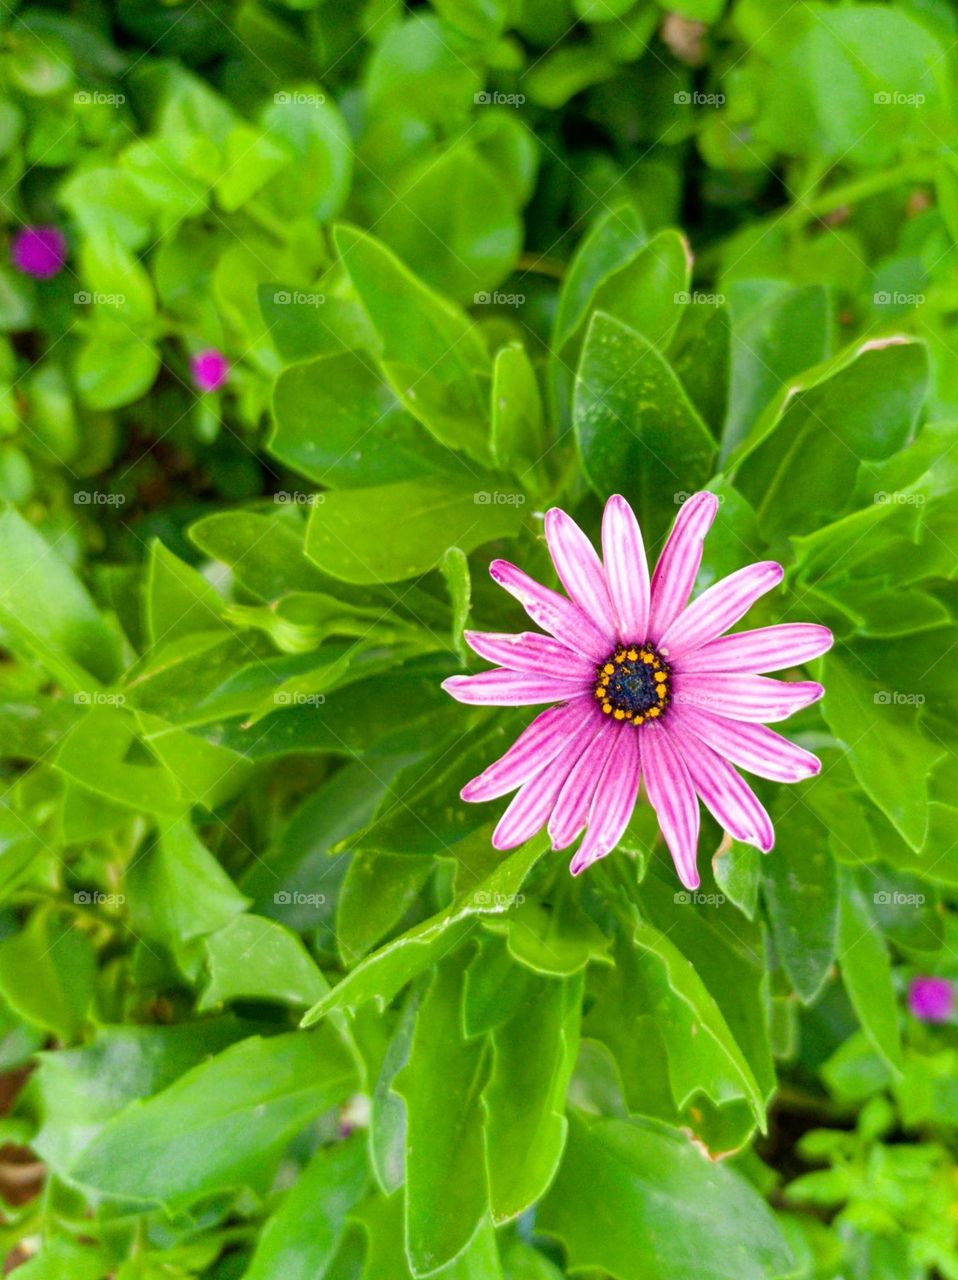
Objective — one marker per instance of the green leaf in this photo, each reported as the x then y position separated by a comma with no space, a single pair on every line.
114,369
255,958
95,755
866,972
44,607
178,890
613,240
178,599
533,1054
800,885
446,1194
637,1200
398,531
633,420
455,224
377,891
384,973
517,433
300,1240
222,1124
47,973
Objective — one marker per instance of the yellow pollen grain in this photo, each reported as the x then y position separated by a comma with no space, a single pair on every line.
647,659
609,669
653,712
619,713
632,655
639,719
661,676
607,707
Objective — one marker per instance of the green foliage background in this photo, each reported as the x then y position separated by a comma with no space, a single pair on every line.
466,260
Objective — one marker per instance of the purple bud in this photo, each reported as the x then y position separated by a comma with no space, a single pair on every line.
931,999
210,369
39,251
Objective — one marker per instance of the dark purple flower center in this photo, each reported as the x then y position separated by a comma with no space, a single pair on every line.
633,684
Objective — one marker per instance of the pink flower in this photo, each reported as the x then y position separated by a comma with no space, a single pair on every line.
646,686
931,999
210,369
39,251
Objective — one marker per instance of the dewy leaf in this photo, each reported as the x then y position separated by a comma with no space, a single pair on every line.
300,1240
44,607
178,599
398,531
613,240
533,1055
517,439
800,884
446,1193
424,336
252,957
633,419
222,1124
384,973
879,724
638,1201
866,972
861,407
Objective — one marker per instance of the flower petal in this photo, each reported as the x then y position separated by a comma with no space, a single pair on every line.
572,805
612,803
679,562
719,608
724,792
673,798
531,806
501,688
529,651
751,746
554,613
626,568
765,649
579,568
534,749
743,697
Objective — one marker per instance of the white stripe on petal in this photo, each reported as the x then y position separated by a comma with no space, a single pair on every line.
530,808
529,651
765,649
751,746
674,575
535,748
579,568
672,796
612,803
501,688
744,697
554,613
724,792
572,805
627,569
719,608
